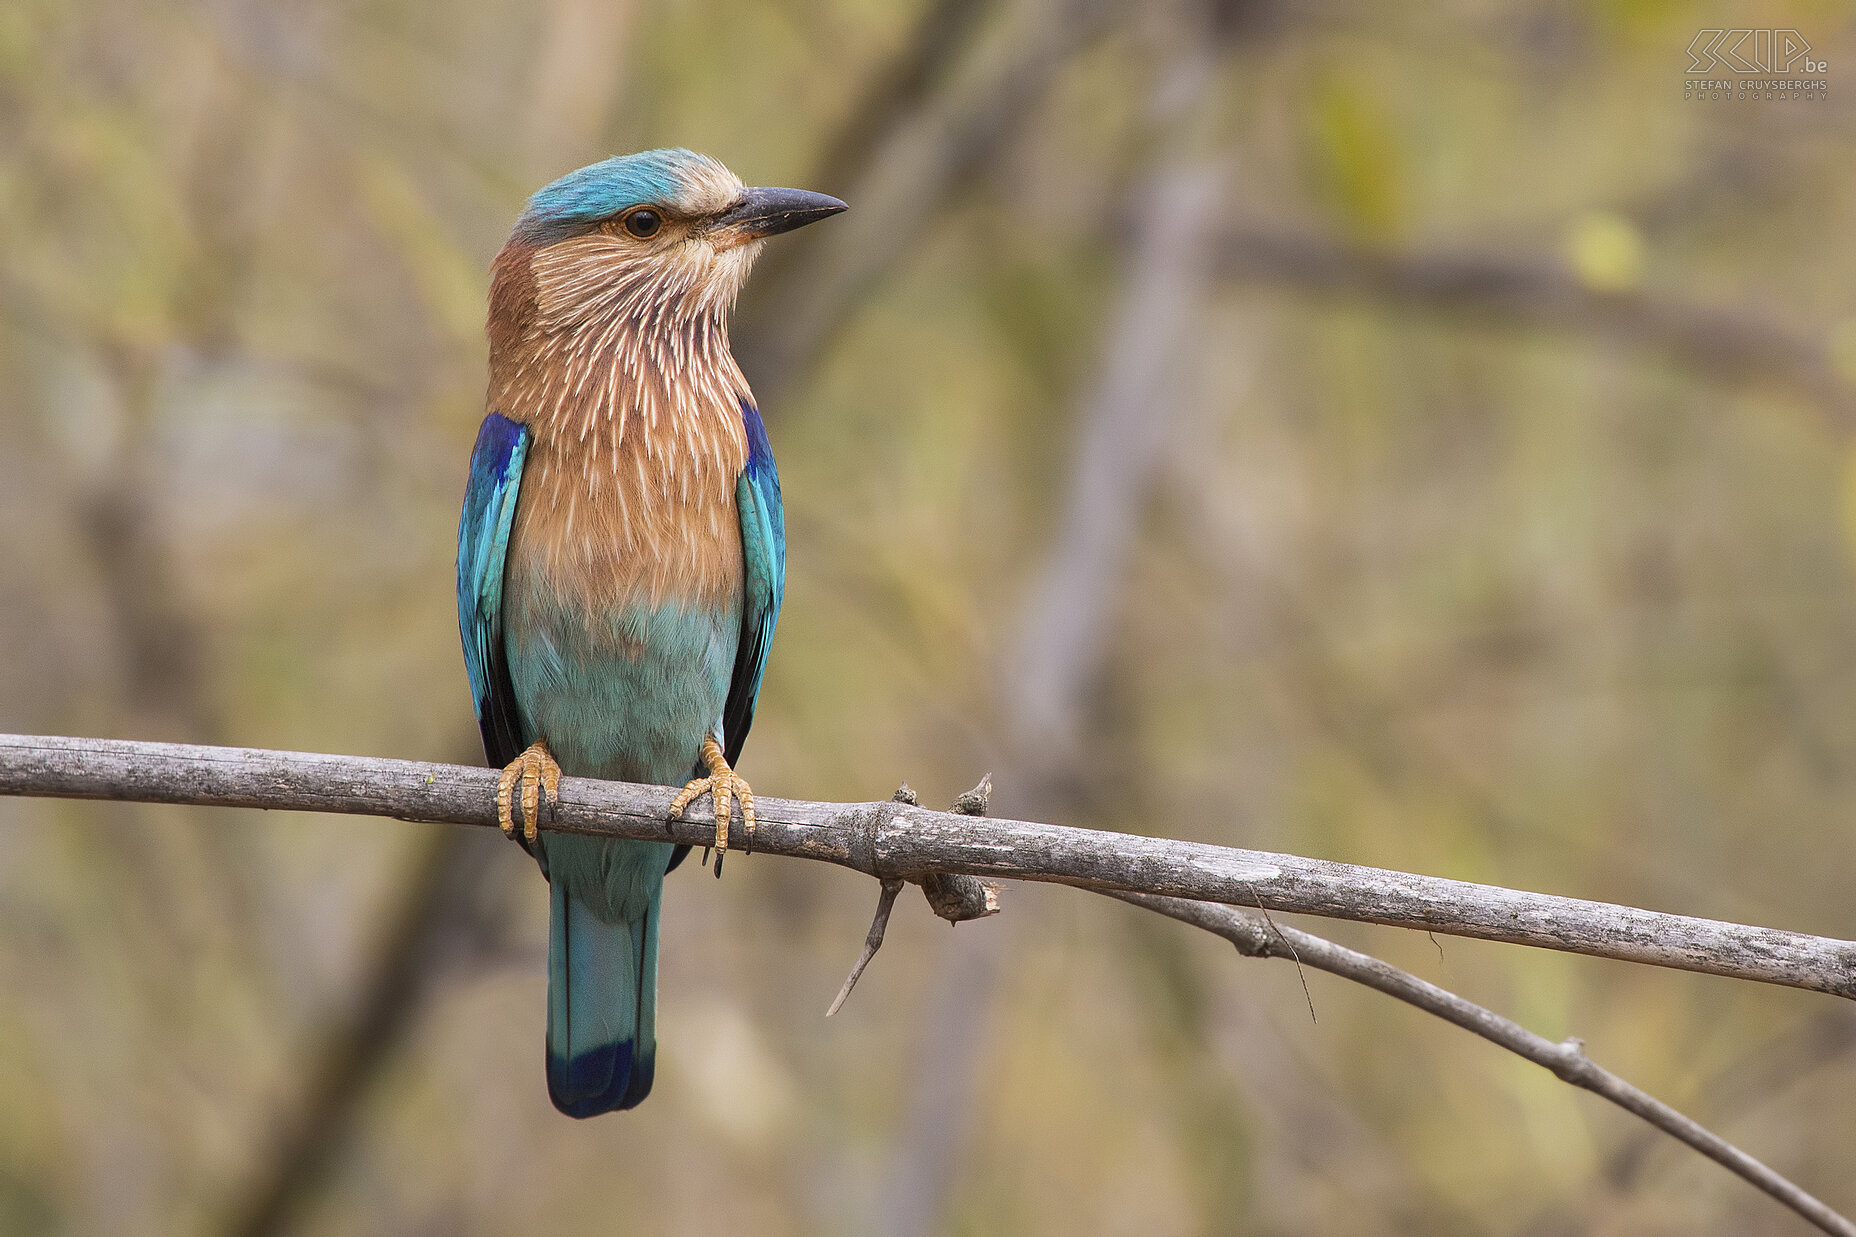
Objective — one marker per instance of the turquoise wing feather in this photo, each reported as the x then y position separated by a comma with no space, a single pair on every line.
483,546
763,547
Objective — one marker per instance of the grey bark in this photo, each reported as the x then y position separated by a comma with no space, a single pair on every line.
898,840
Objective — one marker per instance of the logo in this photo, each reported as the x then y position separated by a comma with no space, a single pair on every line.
1762,63
1751,51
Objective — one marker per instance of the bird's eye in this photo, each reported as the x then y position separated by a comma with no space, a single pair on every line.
643,223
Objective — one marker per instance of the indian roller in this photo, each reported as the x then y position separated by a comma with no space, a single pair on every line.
621,559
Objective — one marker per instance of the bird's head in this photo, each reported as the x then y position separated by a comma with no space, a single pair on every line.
658,235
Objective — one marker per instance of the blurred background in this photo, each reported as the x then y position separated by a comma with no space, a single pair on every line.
1418,437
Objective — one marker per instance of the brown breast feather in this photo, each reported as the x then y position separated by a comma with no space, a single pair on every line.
634,404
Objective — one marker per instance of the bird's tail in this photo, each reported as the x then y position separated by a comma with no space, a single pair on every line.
602,1007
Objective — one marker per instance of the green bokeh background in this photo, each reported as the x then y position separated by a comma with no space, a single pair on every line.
1493,518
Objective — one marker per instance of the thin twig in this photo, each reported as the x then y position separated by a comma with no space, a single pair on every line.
885,902
898,840
1567,1060
1300,974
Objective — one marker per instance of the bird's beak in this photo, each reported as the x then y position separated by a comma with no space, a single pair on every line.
768,212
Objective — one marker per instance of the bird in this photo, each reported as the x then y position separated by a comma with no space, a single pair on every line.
621,560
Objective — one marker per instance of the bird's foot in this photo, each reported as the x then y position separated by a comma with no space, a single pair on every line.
533,772
727,786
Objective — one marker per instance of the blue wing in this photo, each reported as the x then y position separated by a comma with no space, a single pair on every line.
763,546
483,544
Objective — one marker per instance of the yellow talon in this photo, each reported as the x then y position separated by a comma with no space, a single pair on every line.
726,786
535,772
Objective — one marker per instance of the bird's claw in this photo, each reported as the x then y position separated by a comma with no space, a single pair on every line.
534,772
727,787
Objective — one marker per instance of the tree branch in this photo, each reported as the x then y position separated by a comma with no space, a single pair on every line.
890,840
899,840
1731,344
1567,1060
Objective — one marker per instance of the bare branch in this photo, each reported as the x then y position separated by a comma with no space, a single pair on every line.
900,841
890,840
1256,938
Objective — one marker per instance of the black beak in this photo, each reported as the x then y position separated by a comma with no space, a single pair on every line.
768,212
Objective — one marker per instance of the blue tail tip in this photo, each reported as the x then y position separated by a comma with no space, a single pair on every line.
603,1079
